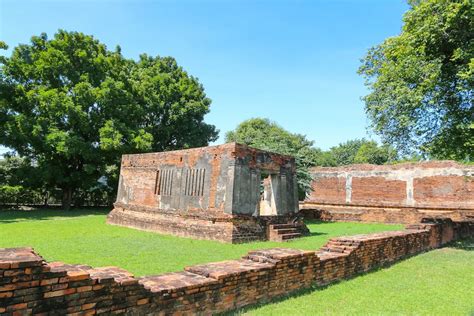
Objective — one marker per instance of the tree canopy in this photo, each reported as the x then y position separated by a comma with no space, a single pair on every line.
74,107
362,151
422,81
267,135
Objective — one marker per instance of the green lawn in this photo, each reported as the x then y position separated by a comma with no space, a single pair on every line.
439,282
83,237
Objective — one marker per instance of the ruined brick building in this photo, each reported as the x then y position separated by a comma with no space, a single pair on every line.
230,193
401,193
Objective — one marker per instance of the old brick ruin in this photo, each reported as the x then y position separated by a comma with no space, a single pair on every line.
231,193
234,193
30,285
402,193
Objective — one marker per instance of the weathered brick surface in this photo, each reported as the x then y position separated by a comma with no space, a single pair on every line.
29,285
207,193
402,193
445,190
373,190
332,188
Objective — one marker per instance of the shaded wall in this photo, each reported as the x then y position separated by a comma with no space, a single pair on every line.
250,163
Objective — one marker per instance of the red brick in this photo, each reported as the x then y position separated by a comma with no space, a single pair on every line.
59,293
143,301
84,289
88,306
49,281
17,307
77,275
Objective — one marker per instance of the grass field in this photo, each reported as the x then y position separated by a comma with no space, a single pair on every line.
83,237
439,282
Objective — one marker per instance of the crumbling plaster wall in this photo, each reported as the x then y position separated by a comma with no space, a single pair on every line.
390,192
428,184
138,175
230,173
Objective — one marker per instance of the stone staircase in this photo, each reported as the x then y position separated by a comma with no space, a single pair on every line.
286,232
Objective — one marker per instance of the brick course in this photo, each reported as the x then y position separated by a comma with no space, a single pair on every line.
29,285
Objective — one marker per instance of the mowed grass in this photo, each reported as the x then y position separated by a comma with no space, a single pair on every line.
439,282
79,236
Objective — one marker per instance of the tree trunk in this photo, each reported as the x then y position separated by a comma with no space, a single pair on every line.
67,198
46,198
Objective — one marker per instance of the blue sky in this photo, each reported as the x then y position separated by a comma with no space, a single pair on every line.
292,61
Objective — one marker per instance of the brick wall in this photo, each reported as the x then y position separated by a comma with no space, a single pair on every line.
29,285
207,193
403,193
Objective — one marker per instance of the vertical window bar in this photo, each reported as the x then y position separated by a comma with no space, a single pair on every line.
162,181
191,192
167,182
187,182
157,183
170,182
202,182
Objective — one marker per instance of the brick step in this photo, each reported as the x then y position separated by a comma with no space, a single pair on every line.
282,231
287,231
290,236
282,226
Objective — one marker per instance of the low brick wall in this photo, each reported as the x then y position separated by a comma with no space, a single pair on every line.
401,193
29,285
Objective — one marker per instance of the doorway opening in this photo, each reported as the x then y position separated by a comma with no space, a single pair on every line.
268,194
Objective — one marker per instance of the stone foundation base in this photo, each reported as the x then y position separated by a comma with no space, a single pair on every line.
230,229
370,214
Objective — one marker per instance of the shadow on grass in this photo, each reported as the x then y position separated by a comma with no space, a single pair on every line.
464,244
319,222
312,234
316,222
13,216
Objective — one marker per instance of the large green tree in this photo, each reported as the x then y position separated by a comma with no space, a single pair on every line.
73,107
422,81
20,182
267,135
